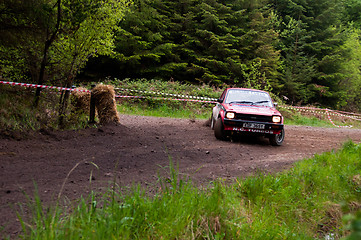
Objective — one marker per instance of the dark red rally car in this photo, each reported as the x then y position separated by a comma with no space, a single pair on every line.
247,111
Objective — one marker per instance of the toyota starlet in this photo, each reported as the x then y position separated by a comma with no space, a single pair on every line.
247,111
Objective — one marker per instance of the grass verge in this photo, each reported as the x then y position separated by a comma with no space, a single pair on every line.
320,119
17,113
165,109
305,202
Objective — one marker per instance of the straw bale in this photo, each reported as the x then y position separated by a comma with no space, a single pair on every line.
81,100
104,96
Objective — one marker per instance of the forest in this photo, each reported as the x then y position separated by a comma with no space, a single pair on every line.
307,52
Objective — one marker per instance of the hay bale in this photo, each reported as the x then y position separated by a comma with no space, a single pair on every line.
81,100
104,98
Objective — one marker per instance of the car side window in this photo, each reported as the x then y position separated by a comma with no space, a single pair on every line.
233,96
223,95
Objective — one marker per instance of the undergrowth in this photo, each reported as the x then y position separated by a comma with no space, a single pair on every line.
305,202
159,108
164,107
18,114
319,119
169,87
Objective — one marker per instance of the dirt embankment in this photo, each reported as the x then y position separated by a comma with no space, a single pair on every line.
136,151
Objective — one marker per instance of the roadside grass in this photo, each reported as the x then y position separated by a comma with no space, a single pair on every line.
164,107
304,202
320,119
203,111
175,109
298,119
145,86
17,113
168,109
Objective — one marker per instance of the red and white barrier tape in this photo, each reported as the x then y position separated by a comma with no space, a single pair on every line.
117,96
169,99
167,94
41,86
185,100
355,117
326,111
313,110
342,112
126,96
329,118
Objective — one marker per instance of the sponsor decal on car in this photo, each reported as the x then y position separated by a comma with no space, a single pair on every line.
241,129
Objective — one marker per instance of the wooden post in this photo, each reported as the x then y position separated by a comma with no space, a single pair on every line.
92,107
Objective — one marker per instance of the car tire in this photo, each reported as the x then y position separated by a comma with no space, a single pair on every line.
277,139
212,122
219,132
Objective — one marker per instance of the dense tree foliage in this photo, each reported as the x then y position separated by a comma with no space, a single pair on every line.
315,46
307,51
198,41
51,40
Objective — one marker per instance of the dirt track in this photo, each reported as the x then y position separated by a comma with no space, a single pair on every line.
135,151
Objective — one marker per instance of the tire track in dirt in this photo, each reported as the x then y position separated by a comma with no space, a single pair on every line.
136,152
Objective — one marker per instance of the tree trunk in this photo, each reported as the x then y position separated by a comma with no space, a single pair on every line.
64,100
45,54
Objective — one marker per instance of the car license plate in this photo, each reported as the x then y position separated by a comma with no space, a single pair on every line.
254,125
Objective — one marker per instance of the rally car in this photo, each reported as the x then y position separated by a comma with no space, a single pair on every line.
247,111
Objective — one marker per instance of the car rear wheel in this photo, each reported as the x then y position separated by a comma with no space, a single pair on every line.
219,132
277,139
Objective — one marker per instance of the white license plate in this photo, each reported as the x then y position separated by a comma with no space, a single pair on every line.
254,125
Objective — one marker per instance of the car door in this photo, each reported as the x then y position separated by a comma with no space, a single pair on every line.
218,107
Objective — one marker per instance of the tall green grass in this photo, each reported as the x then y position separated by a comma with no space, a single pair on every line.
169,87
305,202
166,109
18,114
298,119
169,108
295,117
17,111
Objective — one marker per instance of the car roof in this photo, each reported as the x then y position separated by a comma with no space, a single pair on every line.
247,89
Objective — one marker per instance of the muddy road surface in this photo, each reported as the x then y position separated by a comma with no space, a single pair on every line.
136,151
